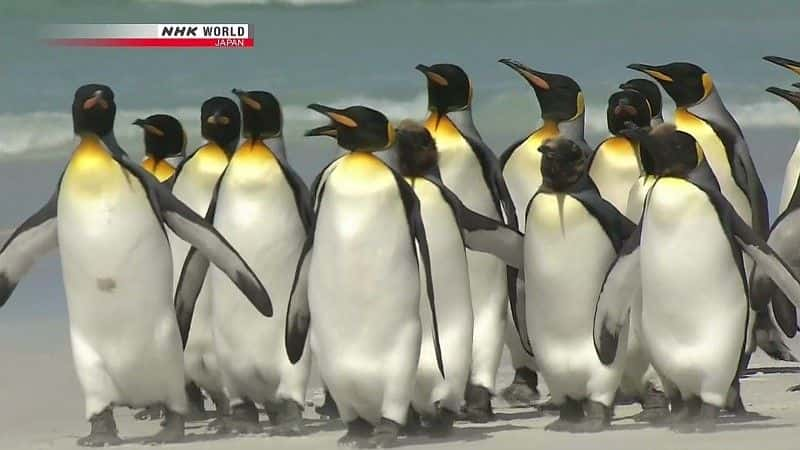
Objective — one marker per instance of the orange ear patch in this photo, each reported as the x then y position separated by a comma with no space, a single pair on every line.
341,119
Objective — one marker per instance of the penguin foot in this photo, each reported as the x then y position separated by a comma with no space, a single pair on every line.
197,409
655,407
598,418
479,404
413,424
103,431
243,420
794,388
288,421
684,415
358,431
523,390
328,408
152,412
570,413
384,435
221,404
707,419
173,430
441,425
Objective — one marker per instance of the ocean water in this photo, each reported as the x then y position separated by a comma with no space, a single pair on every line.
344,52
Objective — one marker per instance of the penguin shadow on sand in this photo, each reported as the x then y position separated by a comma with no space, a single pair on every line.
462,432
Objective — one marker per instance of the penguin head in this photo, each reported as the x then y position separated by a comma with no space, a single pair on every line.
358,128
93,110
666,151
220,122
449,88
792,97
163,136
563,163
560,97
261,114
686,83
625,107
416,150
786,63
650,91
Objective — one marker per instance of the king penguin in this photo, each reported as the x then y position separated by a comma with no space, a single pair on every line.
263,207
450,228
194,183
107,219
615,165
562,106
652,93
572,237
164,145
357,287
471,170
684,264
701,113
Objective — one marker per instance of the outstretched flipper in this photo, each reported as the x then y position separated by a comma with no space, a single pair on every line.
417,230
192,228
484,234
298,314
33,239
621,288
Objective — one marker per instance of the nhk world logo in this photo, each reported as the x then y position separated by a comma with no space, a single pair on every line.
181,35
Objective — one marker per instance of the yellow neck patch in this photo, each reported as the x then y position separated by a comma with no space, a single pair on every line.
444,132
91,170
209,159
162,170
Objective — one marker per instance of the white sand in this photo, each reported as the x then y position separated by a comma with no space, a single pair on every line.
42,408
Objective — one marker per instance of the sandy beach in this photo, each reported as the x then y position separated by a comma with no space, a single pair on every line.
43,409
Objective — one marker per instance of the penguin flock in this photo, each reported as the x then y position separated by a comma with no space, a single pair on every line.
644,270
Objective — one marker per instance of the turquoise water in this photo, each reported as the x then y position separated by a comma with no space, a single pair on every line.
347,52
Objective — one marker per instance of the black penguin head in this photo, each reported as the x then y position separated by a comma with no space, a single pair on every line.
786,63
416,150
792,97
220,122
93,110
358,128
560,97
650,91
261,114
449,88
626,107
563,163
669,152
686,83
163,136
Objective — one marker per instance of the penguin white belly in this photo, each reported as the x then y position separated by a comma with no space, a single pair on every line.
714,151
257,213
195,187
790,179
117,278
694,309
453,306
462,173
522,171
567,255
615,169
363,293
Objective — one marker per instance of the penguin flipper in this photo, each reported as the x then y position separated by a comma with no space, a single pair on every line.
767,260
34,238
192,276
298,314
302,197
319,182
419,238
621,288
487,235
196,231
